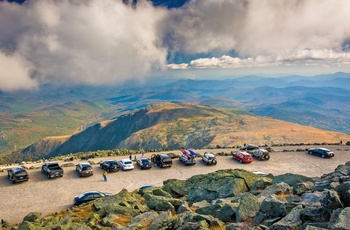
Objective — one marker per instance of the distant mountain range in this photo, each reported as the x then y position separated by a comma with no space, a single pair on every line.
172,126
26,117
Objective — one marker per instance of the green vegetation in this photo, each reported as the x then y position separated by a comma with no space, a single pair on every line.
20,129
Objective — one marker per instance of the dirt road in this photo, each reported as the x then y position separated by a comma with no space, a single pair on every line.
40,194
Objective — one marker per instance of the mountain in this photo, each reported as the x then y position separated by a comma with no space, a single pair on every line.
172,126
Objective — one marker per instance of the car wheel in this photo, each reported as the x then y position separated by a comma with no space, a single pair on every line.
267,157
48,176
322,156
108,170
14,181
241,161
310,152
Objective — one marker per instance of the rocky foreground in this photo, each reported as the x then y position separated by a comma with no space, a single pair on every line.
225,199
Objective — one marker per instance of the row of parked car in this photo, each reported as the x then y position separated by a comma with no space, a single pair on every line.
162,160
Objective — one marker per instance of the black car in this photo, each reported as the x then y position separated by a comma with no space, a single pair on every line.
89,196
162,160
144,163
110,166
322,152
17,174
84,169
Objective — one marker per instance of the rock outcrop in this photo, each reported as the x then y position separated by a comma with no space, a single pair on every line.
225,199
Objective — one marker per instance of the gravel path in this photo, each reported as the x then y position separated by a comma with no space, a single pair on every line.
40,194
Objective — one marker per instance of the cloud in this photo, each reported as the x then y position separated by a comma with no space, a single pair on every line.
90,42
265,32
108,42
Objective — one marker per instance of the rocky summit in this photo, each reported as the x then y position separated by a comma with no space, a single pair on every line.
225,199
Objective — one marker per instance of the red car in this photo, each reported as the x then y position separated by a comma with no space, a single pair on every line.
243,157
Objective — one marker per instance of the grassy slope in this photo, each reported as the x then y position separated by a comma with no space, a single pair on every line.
20,129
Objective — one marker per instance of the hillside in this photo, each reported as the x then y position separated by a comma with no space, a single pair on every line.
172,126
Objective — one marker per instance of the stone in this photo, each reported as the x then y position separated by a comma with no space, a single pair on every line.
25,225
247,208
340,219
177,188
303,187
331,201
226,213
281,189
343,191
184,207
312,199
273,207
291,179
315,214
291,221
163,220
32,216
110,221
261,184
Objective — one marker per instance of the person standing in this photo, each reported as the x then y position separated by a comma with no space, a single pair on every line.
105,178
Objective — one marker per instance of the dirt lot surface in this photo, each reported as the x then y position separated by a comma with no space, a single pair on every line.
44,195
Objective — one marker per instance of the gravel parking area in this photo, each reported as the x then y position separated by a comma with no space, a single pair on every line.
40,194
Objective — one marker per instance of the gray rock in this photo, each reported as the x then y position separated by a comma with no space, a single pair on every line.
247,208
270,222
163,221
315,214
273,207
144,219
291,179
312,199
340,219
226,213
32,216
177,188
275,189
343,191
331,201
231,226
160,203
290,221
109,221
261,184
314,226
201,204
184,207
303,187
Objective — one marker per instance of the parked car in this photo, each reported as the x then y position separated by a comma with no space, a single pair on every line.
144,163
89,196
126,164
162,160
110,166
261,154
209,159
84,169
52,169
249,148
243,157
17,174
322,152
188,159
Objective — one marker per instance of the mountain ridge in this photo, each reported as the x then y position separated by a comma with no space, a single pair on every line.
172,126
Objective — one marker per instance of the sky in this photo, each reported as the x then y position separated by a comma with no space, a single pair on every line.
108,42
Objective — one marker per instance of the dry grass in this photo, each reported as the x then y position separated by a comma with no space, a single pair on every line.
83,212
122,219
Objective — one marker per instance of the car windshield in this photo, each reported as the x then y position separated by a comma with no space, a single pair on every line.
87,167
145,161
112,162
211,158
246,156
127,162
19,170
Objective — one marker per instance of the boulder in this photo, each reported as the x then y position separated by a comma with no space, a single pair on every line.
184,207
177,188
312,199
315,214
291,179
110,221
314,226
247,208
331,201
142,221
186,217
261,184
25,225
227,212
273,207
291,221
32,216
343,191
303,187
340,219
161,203
164,220
281,189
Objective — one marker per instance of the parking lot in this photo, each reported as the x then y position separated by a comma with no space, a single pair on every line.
40,194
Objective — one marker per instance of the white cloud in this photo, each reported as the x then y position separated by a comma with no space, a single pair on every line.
108,42
93,42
